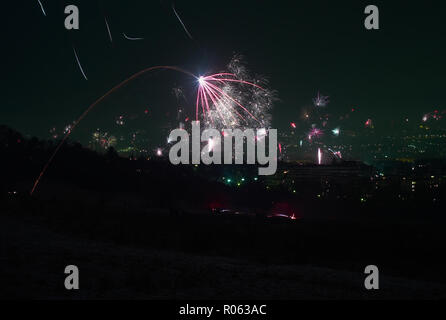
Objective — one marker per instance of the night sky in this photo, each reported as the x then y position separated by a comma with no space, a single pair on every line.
302,47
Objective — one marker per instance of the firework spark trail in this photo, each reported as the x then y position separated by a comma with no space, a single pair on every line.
215,104
202,103
207,104
181,21
85,113
79,64
41,7
337,154
217,100
130,38
216,95
233,80
197,105
205,83
233,100
258,100
108,29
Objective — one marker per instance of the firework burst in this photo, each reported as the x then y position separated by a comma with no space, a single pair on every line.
226,100
320,100
336,131
314,133
102,140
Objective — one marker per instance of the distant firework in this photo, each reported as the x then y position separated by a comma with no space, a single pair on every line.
120,121
320,100
102,140
368,123
314,133
435,115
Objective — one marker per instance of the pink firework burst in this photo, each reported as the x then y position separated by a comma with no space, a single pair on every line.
218,103
314,133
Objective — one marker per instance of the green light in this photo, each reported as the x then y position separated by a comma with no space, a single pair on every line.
243,179
229,180
256,178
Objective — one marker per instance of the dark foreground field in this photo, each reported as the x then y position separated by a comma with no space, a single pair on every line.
160,255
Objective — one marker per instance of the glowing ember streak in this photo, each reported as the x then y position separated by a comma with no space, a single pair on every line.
108,29
87,111
293,125
130,38
319,156
181,21
79,64
337,154
41,7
